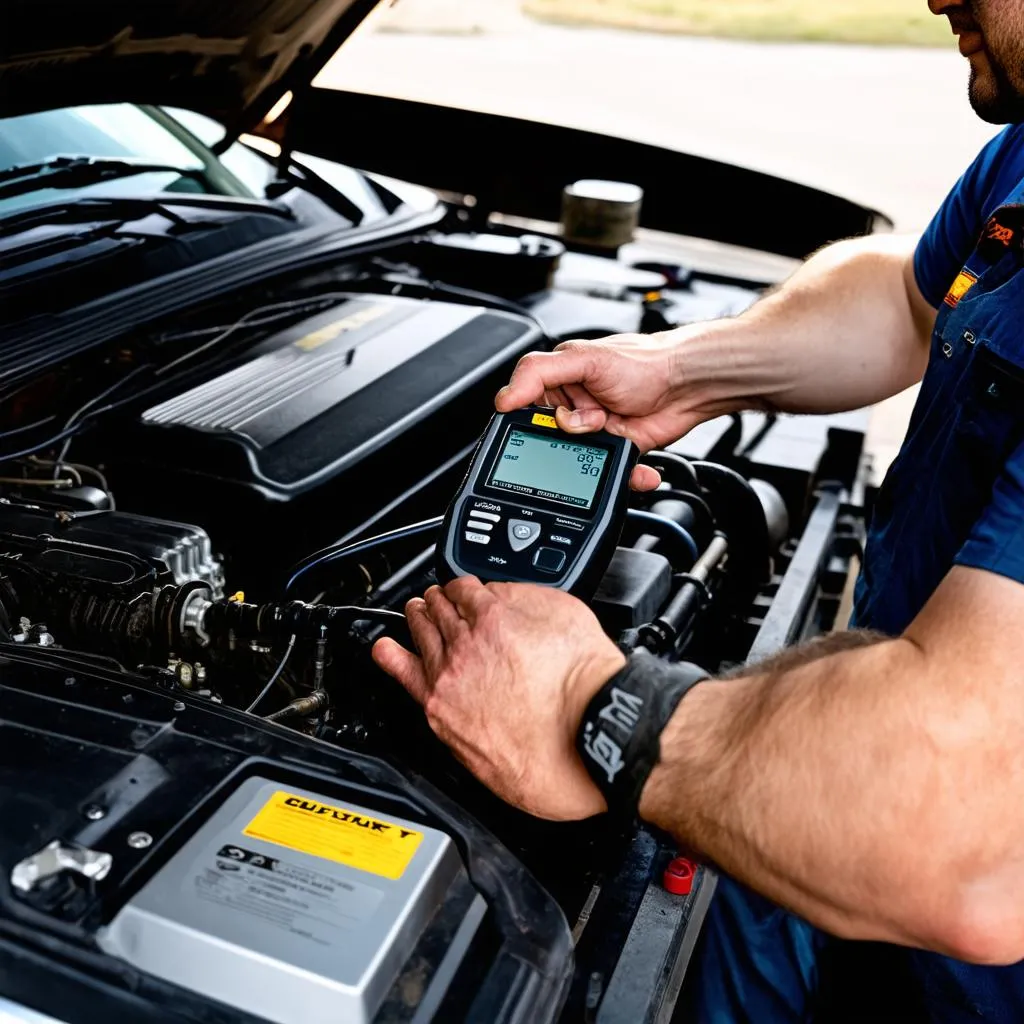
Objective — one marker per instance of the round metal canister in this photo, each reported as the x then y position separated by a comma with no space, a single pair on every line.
600,214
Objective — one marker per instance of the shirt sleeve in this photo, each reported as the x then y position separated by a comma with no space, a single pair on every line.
950,238
996,542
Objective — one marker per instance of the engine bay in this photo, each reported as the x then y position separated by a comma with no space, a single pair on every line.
234,504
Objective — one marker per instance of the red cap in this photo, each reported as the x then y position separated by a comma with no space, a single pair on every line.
678,877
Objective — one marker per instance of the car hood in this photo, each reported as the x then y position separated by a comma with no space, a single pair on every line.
229,59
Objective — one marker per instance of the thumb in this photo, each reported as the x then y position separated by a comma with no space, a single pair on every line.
538,372
580,421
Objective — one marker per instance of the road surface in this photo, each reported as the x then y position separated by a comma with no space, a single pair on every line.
889,127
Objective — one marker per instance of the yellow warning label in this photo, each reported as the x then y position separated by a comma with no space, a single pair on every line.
335,833
964,282
542,420
322,335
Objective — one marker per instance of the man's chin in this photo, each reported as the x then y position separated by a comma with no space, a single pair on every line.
992,101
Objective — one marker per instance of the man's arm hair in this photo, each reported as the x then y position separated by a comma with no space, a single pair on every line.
871,785
848,329
794,657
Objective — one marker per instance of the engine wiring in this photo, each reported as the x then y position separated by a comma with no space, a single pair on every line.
328,555
274,677
386,276
288,309
90,410
336,553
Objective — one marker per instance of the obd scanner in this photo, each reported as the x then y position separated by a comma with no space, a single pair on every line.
538,505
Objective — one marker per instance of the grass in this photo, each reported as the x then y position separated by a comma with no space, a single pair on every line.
895,22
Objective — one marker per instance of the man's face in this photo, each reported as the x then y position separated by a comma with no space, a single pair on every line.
992,38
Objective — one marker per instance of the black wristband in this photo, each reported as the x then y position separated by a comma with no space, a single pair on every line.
619,736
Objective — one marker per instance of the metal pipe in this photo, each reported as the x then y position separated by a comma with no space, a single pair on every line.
689,600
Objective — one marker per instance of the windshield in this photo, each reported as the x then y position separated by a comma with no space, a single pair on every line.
126,131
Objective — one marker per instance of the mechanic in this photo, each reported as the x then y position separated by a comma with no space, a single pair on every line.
871,783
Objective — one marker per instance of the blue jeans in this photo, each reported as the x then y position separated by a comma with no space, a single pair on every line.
760,965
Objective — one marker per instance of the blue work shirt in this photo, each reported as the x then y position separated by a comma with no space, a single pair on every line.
955,494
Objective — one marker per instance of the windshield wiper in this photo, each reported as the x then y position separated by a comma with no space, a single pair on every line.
82,209
80,171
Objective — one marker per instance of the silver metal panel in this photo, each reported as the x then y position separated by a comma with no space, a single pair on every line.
283,934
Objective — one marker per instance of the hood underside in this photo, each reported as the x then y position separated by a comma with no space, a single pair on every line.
229,59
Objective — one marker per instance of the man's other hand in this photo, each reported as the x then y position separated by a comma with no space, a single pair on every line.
504,674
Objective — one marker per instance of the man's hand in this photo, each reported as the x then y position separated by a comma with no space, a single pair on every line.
811,346
504,674
627,385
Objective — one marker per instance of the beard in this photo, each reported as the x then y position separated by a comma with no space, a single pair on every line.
996,87
993,94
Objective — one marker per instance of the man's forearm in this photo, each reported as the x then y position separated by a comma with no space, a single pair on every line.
847,330
858,789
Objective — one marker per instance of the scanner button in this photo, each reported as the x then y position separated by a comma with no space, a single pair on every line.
478,538
549,560
490,516
483,527
521,534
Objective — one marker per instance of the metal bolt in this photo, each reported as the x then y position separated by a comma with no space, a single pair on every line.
993,391
127,699
200,673
185,674
46,640
947,349
179,705
140,840
94,812
70,681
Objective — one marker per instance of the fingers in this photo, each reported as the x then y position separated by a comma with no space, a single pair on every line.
469,596
580,421
426,636
645,478
578,397
445,615
555,397
403,665
541,372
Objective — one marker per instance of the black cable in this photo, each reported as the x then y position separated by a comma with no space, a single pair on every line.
274,678
770,419
78,414
359,612
12,456
400,279
28,427
285,308
663,523
334,554
247,320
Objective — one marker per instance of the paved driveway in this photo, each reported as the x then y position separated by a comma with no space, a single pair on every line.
888,127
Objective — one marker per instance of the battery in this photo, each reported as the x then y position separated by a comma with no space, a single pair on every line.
291,905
